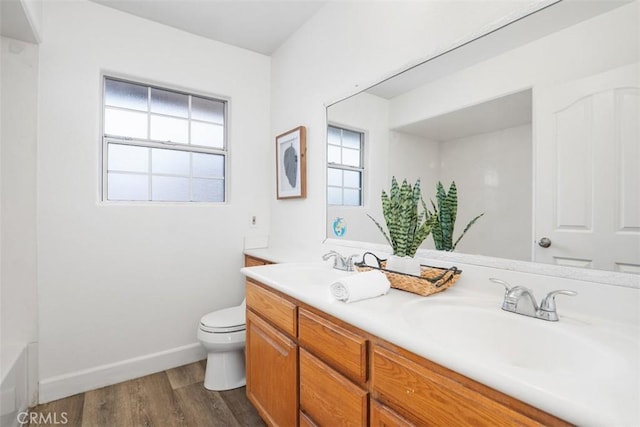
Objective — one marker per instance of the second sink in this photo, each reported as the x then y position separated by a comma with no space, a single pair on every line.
497,337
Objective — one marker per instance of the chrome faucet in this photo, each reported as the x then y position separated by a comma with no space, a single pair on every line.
520,300
340,262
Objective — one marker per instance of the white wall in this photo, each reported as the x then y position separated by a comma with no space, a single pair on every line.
18,270
414,157
347,45
493,173
122,286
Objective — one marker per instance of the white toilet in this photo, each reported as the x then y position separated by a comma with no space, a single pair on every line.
222,334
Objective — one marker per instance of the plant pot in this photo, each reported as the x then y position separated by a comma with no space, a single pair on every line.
404,264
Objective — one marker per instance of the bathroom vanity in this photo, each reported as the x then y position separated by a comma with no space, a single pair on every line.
402,359
302,362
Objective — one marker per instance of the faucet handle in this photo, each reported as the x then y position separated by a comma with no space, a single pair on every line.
329,254
548,303
507,286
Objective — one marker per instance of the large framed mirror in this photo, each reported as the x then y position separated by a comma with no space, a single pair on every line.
538,124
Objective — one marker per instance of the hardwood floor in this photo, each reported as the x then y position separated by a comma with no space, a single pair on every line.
175,397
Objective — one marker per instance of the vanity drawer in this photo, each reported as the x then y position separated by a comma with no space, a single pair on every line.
272,307
424,395
328,398
381,416
343,350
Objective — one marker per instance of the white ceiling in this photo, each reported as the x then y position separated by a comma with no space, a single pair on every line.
16,22
501,113
258,25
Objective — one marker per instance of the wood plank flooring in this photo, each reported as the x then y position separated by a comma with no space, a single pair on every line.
175,397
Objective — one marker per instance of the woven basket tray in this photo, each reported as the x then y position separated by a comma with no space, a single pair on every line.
431,280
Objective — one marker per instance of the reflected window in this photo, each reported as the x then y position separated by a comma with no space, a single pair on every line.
162,145
345,168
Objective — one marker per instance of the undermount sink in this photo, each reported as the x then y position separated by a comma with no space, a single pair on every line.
497,337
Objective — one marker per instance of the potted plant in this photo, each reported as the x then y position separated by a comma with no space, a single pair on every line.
443,218
407,228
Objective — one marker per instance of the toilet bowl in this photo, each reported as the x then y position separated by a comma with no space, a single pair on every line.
222,334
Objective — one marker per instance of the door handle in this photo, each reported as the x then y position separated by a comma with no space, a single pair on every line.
545,242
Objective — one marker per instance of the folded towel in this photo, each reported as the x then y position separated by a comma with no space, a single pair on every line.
360,286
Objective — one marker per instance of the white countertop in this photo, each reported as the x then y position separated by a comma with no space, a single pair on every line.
598,396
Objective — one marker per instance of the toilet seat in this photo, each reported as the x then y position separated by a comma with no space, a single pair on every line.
223,321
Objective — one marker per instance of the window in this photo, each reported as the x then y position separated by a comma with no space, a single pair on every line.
162,145
345,171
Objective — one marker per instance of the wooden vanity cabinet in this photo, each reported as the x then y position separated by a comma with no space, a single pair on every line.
251,261
333,372
272,356
307,368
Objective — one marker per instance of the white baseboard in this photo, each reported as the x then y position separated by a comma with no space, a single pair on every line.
90,379
32,374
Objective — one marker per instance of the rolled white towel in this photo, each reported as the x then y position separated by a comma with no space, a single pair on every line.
356,287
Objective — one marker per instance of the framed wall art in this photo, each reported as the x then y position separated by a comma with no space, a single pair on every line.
291,164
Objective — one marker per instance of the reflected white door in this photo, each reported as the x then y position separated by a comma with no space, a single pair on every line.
587,183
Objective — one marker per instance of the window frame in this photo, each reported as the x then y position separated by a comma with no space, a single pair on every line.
344,167
105,139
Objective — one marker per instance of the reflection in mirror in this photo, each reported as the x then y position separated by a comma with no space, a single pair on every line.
344,176
538,125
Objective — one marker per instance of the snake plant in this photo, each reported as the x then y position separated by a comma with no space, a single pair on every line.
407,228
443,218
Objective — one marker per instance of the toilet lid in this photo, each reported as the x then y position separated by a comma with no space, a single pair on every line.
226,320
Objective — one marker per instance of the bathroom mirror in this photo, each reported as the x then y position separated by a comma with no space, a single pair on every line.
538,125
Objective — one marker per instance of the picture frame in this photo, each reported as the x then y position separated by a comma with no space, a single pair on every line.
291,164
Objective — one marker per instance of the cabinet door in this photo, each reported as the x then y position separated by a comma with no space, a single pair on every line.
327,397
272,380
